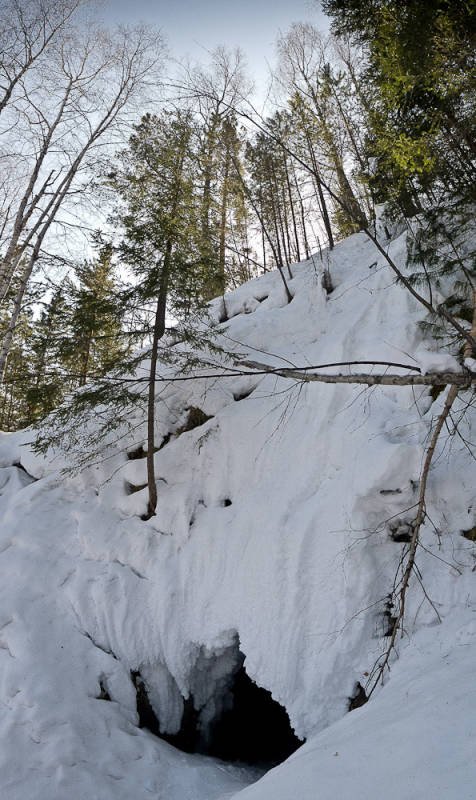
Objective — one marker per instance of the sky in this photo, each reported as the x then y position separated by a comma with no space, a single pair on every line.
195,26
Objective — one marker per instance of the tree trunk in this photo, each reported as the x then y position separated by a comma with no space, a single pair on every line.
84,358
291,206
461,379
159,331
280,260
356,216
8,338
265,233
303,218
469,349
221,277
322,200
25,211
263,247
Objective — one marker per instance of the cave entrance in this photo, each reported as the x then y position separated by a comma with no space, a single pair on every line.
255,729
246,724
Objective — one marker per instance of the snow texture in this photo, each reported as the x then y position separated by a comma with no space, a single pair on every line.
429,361
276,528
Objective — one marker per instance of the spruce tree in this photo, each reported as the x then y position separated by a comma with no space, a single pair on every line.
48,383
159,214
421,118
94,341
421,82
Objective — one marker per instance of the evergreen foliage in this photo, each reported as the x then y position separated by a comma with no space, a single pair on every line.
422,72
158,214
48,383
93,341
421,139
383,113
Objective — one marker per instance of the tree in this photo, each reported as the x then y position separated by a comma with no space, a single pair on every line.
47,384
77,336
305,73
167,222
13,405
52,131
160,215
421,122
259,191
213,92
93,344
28,30
421,62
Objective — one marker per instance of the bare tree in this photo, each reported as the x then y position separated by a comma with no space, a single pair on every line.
62,124
304,73
28,29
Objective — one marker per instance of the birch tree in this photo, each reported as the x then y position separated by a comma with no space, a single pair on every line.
53,132
29,29
304,73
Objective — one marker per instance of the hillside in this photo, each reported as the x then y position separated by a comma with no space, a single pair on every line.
280,529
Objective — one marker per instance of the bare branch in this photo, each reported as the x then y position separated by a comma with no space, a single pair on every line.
412,549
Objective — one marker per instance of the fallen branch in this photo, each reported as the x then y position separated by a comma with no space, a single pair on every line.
463,379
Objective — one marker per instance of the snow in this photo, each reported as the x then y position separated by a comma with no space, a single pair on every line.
470,363
272,535
430,361
417,741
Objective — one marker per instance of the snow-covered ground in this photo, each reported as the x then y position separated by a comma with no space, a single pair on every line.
273,534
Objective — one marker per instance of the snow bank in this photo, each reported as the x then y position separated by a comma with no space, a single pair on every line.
416,742
276,528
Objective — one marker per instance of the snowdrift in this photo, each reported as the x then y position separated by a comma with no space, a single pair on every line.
279,532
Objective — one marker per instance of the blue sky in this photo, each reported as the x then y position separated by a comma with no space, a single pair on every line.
192,27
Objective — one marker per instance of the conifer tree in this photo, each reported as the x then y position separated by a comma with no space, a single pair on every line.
421,118
159,214
48,383
422,114
94,342
219,148
305,73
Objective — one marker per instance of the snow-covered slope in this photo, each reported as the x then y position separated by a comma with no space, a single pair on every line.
272,538
417,740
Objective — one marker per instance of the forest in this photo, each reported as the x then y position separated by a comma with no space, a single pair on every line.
117,224
237,390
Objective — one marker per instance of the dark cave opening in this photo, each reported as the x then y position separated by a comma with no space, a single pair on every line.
254,730
251,728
